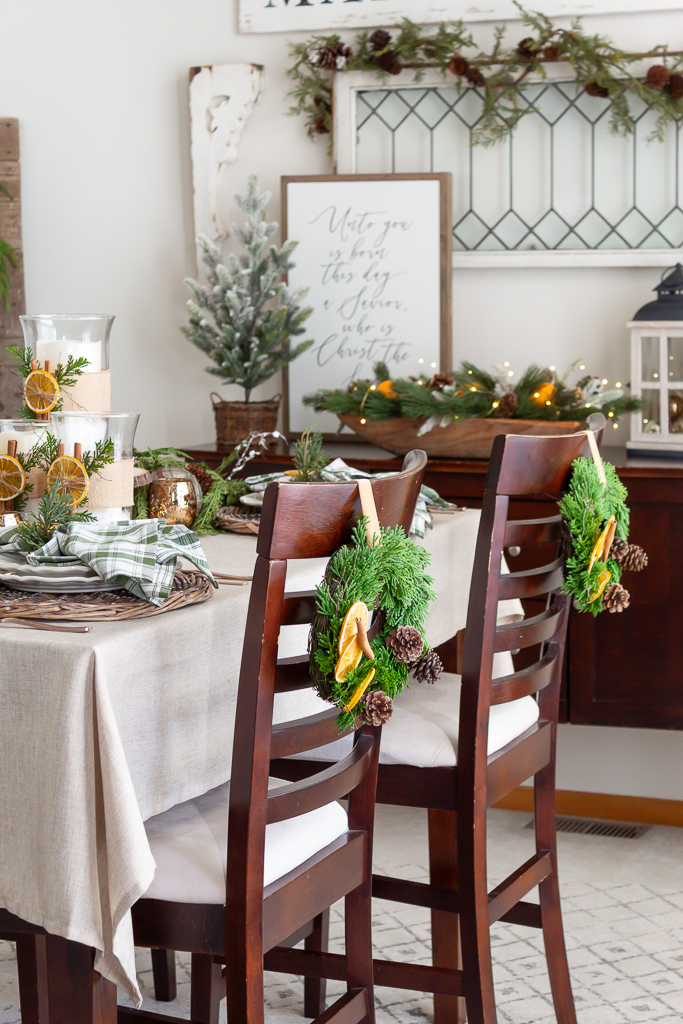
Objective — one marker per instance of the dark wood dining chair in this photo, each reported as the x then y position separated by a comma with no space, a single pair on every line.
292,851
502,731
31,966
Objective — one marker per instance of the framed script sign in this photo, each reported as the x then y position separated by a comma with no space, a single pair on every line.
374,252
308,15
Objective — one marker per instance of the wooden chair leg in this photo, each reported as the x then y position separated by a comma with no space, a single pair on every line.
443,874
549,891
315,989
163,973
206,990
77,994
32,971
474,922
358,943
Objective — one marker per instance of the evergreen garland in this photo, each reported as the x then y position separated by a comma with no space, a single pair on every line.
389,577
586,509
501,74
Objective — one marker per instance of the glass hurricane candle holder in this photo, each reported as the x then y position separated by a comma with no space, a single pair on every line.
87,428
55,337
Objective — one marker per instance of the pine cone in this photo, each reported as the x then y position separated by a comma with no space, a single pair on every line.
428,669
526,49
406,644
321,126
618,550
635,559
334,55
475,77
458,65
378,708
440,380
657,77
201,474
675,86
593,89
616,599
379,39
390,63
507,406
551,53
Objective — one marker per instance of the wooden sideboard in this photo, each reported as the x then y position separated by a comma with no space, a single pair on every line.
623,669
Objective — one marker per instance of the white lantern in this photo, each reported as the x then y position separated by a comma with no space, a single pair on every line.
657,370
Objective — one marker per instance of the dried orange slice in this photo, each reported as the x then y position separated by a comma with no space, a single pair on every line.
12,478
386,389
350,657
360,690
349,629
600,545
41,391
603,580
70,477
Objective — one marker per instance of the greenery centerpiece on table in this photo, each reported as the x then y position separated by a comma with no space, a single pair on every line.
245,318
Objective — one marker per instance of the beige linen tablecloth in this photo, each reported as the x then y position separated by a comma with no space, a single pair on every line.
100,731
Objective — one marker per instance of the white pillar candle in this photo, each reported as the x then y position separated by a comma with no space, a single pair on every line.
84,430
26,439
59,352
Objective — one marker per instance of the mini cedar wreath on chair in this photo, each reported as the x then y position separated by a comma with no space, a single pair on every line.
292,851
501,731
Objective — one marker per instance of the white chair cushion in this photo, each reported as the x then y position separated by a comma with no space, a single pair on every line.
189,845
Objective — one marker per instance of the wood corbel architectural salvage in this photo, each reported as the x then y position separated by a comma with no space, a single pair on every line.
10,232
222,98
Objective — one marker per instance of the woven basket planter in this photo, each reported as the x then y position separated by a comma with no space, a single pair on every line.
466,439
236,420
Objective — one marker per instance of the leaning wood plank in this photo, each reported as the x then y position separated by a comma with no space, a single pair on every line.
10,231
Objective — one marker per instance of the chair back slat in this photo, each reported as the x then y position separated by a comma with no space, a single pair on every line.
304,734
532,582
521,532
529,680
535,630
331,784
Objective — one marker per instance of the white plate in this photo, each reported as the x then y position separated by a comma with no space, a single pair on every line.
252,499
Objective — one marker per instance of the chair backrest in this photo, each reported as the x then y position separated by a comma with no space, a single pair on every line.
298,521
527,469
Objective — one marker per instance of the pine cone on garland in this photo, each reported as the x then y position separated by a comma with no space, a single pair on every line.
635,559
675,86
593,89
551,53
405,643
457,65
440,380
657,77
201,474
428,669
321,126
390,63
329,57
526,49
507,406
616,599
378,708
618,550
475,77
379,39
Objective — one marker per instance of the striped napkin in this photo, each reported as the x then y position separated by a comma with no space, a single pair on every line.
139,555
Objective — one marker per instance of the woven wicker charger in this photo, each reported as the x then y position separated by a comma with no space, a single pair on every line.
237,520
189,587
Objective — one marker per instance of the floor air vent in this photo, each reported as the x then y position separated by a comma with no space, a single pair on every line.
589,827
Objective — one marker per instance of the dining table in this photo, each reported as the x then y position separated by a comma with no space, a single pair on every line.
100,731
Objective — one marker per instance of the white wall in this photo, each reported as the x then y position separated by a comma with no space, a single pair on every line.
100,90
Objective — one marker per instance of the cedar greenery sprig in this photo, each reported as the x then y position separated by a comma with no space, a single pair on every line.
501,74
539,394
55,512
309,457
45,454
586,508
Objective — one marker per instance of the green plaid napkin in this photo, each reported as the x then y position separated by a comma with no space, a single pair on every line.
139,555
337,470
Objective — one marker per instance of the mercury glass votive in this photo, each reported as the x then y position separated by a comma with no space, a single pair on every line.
57,336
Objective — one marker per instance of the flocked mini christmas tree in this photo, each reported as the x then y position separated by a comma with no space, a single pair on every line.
244,319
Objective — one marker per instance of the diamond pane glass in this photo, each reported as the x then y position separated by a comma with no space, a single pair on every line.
650,358
650,419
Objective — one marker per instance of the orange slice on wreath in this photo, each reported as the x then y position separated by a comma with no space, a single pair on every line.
70,477
349,659
603,580
349,629
41,391
601,546
386,388
360,690
12,478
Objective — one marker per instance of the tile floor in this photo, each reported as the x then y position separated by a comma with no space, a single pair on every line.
623,914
